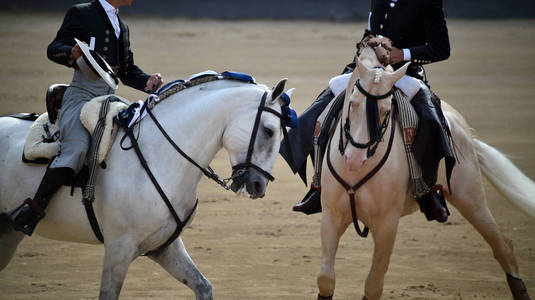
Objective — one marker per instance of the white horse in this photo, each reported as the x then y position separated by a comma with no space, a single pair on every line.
386,197
133,218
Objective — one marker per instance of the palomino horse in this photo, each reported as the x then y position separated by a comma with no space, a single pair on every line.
386,196
133,218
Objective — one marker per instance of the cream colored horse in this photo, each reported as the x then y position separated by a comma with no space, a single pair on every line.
386,197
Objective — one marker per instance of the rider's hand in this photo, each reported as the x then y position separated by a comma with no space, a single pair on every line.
396,55
154,80
75,52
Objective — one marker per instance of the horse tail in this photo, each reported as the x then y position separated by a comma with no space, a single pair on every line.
506,177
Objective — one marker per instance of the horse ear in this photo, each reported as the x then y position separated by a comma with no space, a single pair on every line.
400,73
278,89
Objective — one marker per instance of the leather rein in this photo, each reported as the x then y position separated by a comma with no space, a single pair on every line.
239,170
371,144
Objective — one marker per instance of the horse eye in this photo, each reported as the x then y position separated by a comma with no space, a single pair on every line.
268,132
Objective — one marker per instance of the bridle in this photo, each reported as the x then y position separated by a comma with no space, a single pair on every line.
376,131
372,144
240,171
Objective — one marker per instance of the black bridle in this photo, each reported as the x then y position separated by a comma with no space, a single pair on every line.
240,172
376,131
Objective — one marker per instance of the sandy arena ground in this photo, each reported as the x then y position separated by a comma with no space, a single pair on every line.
259,249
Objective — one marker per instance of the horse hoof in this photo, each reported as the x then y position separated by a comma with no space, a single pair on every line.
320,297
518,289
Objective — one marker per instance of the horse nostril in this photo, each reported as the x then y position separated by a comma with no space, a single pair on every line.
258,187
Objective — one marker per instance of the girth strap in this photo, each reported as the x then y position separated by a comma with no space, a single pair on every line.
88,194
93,220
351,190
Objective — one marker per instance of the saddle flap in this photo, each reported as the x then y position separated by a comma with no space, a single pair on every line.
54,97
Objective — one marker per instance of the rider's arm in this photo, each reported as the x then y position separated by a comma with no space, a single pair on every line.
59,50
132,75
437,45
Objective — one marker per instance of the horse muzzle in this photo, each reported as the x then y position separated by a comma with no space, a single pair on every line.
250,182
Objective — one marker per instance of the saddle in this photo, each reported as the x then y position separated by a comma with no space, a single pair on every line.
54,97
42,140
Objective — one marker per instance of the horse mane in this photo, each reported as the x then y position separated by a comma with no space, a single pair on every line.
179,85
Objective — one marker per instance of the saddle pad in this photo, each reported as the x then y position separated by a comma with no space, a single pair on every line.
42,140
89,117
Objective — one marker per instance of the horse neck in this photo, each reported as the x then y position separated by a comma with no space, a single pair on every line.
196,120
186,119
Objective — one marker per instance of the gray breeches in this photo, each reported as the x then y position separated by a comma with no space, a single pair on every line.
74,138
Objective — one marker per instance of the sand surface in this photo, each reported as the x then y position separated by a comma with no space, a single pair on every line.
259,249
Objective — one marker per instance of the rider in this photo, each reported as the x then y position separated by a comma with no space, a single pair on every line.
98,24
419,34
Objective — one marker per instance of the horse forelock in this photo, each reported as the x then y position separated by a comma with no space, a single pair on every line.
368,58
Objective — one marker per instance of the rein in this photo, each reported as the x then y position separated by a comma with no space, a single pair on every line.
352,189
239,171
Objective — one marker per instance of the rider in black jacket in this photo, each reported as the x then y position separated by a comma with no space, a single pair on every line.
419,34
97,23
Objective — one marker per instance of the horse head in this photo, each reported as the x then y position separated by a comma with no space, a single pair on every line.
252,140
367,106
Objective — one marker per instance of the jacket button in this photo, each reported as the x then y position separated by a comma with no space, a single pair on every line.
104,56
107,32
381,26
107,40
105,48
392,4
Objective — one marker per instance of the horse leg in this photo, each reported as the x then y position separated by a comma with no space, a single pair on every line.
9,240
384,236
119,254
175,260
469,199
332,228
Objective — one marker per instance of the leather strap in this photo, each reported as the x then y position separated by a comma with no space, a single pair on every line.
35,207
93,220
351,190
180,224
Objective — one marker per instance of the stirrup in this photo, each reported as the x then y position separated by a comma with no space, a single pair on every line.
28,207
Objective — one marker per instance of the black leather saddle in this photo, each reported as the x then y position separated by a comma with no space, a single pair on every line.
54,97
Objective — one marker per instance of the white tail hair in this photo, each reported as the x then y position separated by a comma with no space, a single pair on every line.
506,177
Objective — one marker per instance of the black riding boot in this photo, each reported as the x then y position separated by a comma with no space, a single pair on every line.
311,203
433,205
303,146
432,144
25,217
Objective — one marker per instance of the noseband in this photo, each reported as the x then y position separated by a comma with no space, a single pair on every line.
376,131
